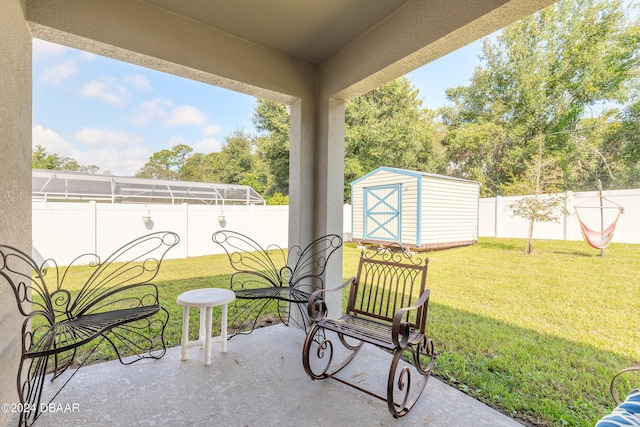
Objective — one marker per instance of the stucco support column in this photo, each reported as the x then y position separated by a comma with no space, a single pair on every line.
329,189
301,172
316,176
301,178
15,176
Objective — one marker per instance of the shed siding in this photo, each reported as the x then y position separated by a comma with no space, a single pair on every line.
449,210
436,210
409,207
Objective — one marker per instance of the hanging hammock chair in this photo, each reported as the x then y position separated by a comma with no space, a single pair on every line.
598,239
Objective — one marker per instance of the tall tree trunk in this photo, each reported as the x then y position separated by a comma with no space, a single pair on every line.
529,247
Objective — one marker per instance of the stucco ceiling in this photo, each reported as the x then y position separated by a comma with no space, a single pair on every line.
310,30
283,50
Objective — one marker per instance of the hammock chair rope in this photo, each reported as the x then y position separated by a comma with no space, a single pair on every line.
598,239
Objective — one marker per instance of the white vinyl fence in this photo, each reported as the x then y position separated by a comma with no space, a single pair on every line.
497,219
63,231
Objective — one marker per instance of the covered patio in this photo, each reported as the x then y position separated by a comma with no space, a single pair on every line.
312,56
258,382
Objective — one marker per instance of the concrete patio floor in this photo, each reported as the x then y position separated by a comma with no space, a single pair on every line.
258,382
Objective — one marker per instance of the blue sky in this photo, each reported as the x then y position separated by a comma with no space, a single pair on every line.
115,115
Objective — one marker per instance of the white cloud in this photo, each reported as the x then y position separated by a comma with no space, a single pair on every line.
121,153
211,130
148,111
208,145
42,49
107,90
205,145
102,136
186,115
176,140
52,142
58,73
138,82
114,91
122,160
163,111
88,56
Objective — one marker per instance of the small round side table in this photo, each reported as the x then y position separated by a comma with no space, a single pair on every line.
205,299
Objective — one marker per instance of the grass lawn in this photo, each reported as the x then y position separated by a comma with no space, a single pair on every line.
536,336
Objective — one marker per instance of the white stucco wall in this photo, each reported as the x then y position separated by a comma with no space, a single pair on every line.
15,176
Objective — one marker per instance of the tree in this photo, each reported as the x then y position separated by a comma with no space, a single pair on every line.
537,79
166,164
239,164
387,127
236,163
271,120
619,149
40,159
384,127
474,150
629,152
277,199
203,167
541,176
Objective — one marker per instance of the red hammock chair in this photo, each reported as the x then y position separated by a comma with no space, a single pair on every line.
598,239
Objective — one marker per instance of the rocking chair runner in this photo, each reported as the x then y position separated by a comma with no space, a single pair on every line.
387,308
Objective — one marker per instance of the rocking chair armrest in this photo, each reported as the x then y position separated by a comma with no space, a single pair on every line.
401,330
316,306
614,394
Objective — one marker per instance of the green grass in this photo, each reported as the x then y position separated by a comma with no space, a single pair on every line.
536,336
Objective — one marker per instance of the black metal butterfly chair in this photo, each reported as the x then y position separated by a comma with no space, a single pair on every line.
271,276
113,302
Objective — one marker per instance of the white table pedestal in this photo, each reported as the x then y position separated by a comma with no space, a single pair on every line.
205,300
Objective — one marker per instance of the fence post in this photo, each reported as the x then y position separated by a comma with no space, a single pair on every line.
498,217
185,214
567,217
93,220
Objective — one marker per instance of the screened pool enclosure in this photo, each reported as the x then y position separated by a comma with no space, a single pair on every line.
54,185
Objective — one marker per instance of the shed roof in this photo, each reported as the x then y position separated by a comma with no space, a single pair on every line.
58,185
415,174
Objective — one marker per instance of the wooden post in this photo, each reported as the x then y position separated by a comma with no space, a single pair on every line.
601,214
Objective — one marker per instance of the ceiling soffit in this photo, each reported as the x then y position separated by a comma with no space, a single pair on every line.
308,30
273,48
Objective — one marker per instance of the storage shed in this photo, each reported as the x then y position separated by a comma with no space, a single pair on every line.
420,210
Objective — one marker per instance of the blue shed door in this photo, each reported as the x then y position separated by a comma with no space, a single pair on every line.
382,213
